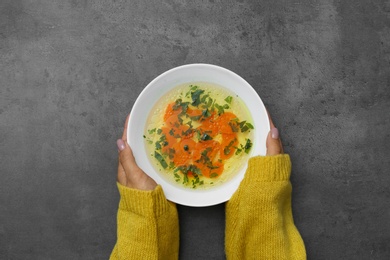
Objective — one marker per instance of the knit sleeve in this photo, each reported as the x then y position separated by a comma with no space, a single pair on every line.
259,221
147,226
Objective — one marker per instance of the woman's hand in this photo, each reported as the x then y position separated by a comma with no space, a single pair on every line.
273,143
129,174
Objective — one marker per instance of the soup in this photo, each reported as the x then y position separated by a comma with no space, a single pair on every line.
199,135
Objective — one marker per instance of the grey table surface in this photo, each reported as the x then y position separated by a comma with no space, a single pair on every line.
71,70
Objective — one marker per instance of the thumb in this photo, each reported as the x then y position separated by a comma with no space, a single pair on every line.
273,143
126,157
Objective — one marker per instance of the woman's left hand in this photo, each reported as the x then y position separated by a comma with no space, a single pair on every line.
273,143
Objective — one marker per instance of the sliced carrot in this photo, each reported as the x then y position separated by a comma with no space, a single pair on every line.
216,172
210,125
172,121
183,152
229,141
169,139
169,111
212,146
207,154
224,122
193,112
185,132
206,171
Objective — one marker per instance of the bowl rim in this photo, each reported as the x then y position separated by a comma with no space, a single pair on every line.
185,196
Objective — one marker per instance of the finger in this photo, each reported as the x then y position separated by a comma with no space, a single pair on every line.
124,135
121,177
273,142
126,157
270,120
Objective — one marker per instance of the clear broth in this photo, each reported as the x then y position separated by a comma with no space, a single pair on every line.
155,121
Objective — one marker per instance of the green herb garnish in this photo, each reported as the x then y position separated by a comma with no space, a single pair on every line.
152,131
213,175
248,145
205,137
229,99
161,160
195,96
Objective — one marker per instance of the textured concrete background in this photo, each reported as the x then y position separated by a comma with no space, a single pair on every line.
71,70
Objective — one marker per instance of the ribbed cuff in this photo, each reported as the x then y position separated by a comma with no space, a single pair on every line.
268,168
144,203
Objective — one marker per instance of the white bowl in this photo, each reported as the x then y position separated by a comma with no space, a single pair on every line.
187,74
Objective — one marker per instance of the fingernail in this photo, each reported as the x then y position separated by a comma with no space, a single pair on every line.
121,144
274,133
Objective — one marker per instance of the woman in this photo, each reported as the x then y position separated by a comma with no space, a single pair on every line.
259,221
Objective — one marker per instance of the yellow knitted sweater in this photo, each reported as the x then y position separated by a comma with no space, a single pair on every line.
259,221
